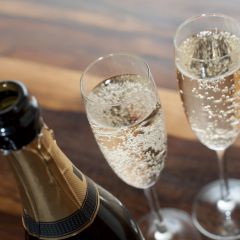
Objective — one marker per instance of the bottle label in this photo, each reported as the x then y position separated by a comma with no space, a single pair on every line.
59,201
70,225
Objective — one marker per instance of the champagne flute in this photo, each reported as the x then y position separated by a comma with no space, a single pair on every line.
127,120
207,57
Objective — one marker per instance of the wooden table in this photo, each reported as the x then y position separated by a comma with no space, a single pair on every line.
48,43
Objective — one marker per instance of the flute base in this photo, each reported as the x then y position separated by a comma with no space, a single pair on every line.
216,218
176,225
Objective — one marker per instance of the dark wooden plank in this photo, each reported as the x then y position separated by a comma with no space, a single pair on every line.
185,172
189,165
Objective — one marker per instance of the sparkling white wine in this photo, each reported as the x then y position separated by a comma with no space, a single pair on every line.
208,74
129,128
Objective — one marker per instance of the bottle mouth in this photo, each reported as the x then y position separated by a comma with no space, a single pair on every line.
7,99
13,97
19,115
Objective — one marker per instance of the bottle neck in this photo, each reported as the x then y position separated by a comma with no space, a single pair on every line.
51,188
20,118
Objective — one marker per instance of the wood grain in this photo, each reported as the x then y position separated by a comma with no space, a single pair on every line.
48,43
71,34
184,174
67,97
66,94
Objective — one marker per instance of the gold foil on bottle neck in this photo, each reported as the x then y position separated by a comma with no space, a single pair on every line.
49,188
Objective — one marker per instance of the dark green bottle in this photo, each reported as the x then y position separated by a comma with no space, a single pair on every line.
59,202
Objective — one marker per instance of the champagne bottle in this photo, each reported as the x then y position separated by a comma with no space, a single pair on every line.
59,201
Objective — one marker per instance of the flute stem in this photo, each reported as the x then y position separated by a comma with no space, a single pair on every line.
223,175
153,203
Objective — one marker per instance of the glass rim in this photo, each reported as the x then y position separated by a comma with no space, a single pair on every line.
194,18
89,66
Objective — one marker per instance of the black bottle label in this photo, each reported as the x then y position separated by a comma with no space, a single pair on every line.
60,201
70,225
